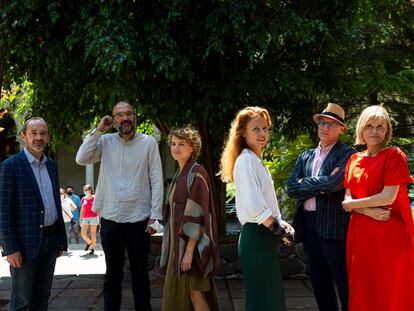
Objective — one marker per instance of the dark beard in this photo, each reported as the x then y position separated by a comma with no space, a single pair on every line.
126,131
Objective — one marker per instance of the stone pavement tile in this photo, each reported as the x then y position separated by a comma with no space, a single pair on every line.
68,309
294,284
83,281
156,303
237,293
79,292
295,288
298,293
5,282
225,304
60,283
301,303
99,304
72,303
238,304
221,284
4,294
126,304
235,283
223,294
156,292
157,288
127,293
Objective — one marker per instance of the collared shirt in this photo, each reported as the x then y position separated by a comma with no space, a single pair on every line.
45,187
130,184
320,156
255,194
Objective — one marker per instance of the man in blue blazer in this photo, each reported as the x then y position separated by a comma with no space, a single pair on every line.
317,182
32,231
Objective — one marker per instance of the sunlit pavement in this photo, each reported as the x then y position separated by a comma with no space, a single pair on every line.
78,283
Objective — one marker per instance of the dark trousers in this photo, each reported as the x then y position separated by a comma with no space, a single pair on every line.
259,260
116,238
32,282
327,266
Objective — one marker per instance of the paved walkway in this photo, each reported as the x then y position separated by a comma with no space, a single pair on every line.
79,277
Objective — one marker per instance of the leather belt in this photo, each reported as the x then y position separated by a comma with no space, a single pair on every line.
50,230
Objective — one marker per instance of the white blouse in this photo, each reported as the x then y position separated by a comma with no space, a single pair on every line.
255,195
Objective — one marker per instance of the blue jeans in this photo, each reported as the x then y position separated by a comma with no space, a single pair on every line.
32,282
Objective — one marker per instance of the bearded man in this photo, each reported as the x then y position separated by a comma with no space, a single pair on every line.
128,198
32,231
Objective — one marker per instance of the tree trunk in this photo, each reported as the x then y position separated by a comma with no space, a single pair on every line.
211,165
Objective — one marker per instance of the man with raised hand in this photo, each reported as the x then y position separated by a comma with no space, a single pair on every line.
128,198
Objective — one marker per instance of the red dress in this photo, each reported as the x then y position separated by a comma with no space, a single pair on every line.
380,254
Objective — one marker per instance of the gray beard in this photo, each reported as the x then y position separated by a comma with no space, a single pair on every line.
38,148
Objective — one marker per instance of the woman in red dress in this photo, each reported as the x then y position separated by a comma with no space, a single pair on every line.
380,243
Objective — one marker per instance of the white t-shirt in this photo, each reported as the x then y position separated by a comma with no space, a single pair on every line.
66,211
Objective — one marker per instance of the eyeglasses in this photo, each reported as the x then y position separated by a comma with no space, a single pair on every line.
127,114
329,125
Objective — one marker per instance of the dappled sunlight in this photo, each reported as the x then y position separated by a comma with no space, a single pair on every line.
73,262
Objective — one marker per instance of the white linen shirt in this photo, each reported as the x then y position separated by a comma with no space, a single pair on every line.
255,195
130,185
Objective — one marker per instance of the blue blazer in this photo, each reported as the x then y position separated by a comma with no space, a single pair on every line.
22,209
331,219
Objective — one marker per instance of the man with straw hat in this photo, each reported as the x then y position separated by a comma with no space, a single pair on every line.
317,182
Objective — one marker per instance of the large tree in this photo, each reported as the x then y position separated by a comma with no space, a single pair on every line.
198,62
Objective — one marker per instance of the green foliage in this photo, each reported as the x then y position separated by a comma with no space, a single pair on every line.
198,62
281,160
18,100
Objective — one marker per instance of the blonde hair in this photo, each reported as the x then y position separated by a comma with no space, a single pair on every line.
236,142
376,114
191,135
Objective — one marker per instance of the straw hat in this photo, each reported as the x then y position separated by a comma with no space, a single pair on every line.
332,111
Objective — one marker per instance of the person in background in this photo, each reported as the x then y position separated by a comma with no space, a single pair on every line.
257,209
32,232
67,208
380,243
128,200
75,228
317,182
88,219
189,256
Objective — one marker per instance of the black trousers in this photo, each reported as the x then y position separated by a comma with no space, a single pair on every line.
327,266
116,238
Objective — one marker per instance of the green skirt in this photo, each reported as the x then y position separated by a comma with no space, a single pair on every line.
259,260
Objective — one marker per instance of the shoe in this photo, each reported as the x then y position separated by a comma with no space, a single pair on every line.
87,246
91,252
